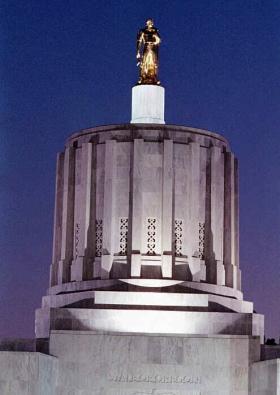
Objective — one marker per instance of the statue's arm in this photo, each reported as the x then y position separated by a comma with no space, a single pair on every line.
140,37
157,38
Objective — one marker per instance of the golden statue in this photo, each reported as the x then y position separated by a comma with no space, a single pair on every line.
148,41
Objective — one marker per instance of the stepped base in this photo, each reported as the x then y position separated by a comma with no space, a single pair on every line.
147,306
148,321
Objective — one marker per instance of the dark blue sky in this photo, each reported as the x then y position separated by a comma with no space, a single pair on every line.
68,65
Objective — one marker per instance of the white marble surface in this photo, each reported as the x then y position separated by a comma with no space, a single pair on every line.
150,299
147,104
265,378
27,373
110,364
147,321
106,363
143,172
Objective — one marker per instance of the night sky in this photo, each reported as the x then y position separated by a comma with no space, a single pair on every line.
69,65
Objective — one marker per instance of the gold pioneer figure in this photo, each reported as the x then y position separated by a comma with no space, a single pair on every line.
148,41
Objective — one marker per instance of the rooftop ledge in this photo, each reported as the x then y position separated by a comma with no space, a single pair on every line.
147,127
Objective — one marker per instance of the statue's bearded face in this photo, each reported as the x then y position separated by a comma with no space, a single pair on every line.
149,23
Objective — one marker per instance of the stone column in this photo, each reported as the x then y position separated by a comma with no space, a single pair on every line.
197,267
67,216
109,209
229,222
167,208
236,223
137,207
82,267
215,237
57,229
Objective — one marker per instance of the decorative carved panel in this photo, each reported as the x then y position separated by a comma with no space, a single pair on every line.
151,236
123,228
77,239
178,233
201,240
98,237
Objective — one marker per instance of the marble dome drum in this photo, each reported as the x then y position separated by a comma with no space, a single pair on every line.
146,232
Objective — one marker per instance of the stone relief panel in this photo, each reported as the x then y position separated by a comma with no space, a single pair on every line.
98,237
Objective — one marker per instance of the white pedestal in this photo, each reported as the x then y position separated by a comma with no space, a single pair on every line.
147,104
